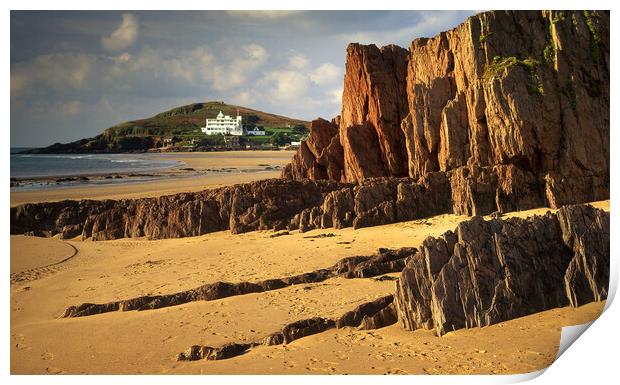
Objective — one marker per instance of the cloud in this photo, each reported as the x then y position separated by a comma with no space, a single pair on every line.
150,71
264,14
235,66
124,36
429,23
55,71
335,96
298,61
244,98
285,85
326,73
71,108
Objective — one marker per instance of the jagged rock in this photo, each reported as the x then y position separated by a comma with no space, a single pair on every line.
362,155
374,102
513,106
276,338
414,285
384,317
338,209
372,315
430,196
315,154
382,262
483,190
198,352
490,77
586,232
305,327
332,158
502,269
355,316
273,203
86,309
378,201
261,205
320,135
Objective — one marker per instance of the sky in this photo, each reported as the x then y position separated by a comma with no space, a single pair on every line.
75,73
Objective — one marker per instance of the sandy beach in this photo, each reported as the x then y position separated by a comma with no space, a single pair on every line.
442,208
232,167
148,341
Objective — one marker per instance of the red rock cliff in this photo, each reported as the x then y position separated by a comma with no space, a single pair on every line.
512,105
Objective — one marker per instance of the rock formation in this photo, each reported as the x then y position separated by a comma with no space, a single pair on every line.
369,315
262,205
273,204
491,271
483,273
384,261
512,106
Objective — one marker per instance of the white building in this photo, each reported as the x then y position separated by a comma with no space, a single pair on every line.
254,131
224,125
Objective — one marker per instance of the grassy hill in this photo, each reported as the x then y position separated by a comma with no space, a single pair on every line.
182,123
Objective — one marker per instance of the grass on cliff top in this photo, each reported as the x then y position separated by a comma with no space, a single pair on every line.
500,66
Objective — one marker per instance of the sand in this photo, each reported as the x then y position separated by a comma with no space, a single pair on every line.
39,253
148,341
254,162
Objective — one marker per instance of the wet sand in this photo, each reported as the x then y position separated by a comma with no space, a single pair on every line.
210,170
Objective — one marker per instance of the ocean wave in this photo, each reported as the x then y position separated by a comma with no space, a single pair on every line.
128,160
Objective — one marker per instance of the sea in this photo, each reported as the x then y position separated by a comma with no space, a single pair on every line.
50,166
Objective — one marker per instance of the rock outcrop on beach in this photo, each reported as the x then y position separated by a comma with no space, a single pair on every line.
511,106
491,271
482,273
366,266
262,205
271,204
369,315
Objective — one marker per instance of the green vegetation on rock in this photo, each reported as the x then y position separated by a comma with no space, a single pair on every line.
500,67
595,37
485,36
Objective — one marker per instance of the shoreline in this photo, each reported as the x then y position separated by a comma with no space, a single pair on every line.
199,171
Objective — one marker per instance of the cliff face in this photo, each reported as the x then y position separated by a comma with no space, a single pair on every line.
491,271
374,102
513,106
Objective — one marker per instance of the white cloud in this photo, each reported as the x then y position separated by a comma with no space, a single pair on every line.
335,96
285,85
124,36
56,71
237,66
244,98
430,21
264,14
326,73
298,61
256,52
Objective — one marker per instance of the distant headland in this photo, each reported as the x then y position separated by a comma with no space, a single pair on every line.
179,129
